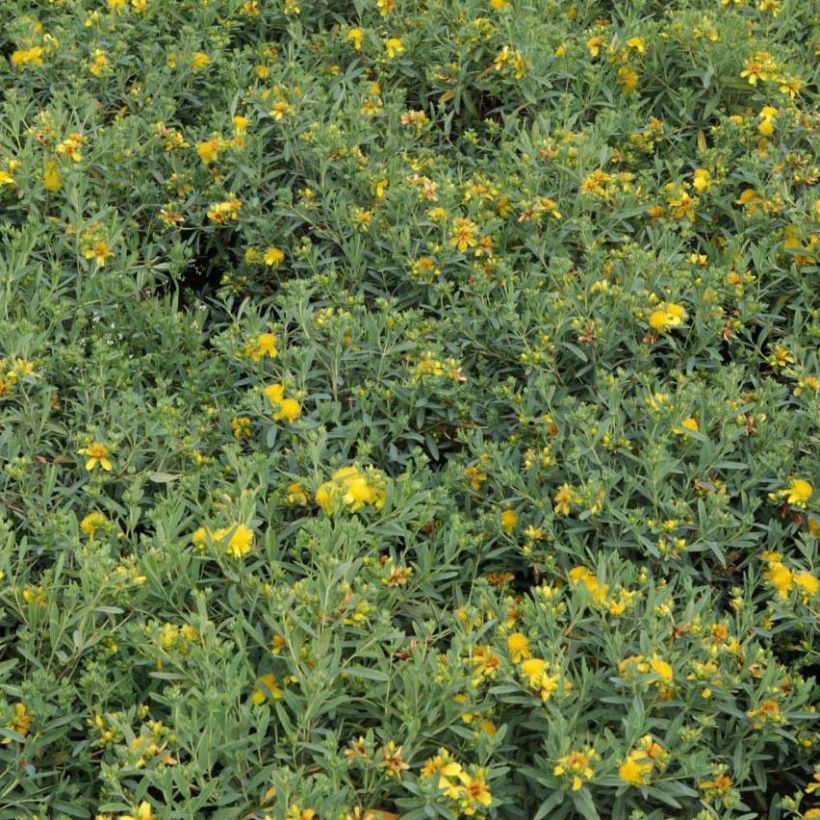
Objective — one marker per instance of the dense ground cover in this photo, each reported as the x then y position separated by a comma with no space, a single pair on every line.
409,406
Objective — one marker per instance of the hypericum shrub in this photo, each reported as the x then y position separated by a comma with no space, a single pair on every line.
409,409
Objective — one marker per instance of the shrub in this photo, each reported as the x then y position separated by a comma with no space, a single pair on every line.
409,409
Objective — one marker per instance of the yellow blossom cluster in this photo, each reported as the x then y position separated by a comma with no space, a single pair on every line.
354,488
427,365
284,408
783,580
270,257
224,211
667,316
13,372
654,670
616,604
467,789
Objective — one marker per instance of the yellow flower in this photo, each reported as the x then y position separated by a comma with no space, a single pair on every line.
143,812
325,496
576,765
474,792
513,58
168,636
97,454
781,578
35,596
51,177
358,492
199,537
766,125
289,409
532,669
440,764
200,60
790,86
564,496
445,769
280,110
392,761
220,212
662,668
799,492
780,357
208,151
499,5
23,57
240,542
689,425
238,546
759,67
807,582
594,45
635,769
275,393
263,345
519,647
488,726
718,787
295,812
20,723
98,251
355,489
639,764
267,686
355,36
476,476
667,316
509,520
701,180
767,712
273,257
393,47
628,80
637,44
92,522
99,63
70,147
296,495
808,382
